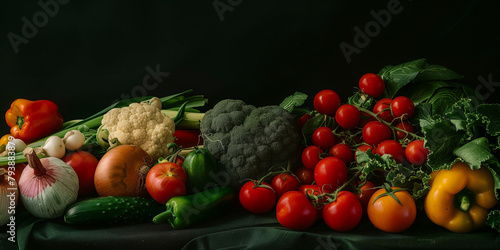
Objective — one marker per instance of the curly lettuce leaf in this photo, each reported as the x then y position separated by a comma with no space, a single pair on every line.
493,220
474,153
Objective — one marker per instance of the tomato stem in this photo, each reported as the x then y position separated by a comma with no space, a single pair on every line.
389,124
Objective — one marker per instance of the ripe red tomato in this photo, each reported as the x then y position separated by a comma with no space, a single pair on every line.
257,199
343,152
404,126
295,211
323,138
376,132
166,180
382,109
347,116
344,213
330,173
403,107
416,153
365,192
313,190
393,148
302,120
372,85
305,175
388,215
311,156
84,164
283,183
326,102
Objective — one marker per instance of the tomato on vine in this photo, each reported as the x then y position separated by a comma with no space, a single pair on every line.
305,175
403,107
406,126
382,109
375,132
342,151
330,173
365,192
295,211
416,153
372,85
347,116
323,138
326,102
283,183
344,213
257,199
311,155
392,148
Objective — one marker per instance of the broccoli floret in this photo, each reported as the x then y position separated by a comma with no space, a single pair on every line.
247,141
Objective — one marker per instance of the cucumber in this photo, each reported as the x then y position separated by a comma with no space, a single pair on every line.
112,210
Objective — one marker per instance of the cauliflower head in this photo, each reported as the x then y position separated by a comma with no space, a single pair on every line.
247,141
142,125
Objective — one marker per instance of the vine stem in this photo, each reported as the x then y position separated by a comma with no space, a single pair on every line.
388,124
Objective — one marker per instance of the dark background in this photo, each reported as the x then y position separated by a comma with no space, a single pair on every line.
91,53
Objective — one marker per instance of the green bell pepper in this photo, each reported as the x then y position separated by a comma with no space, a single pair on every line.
184,211
200,166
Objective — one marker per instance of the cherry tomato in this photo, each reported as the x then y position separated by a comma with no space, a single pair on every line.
166,180
403,107
305,175
295,211
257,199
404,126
393,148
326,102
323,138
343,152
347,116
313,190
364,148
388,215
376,132
344,213
84,164
283,183
382,109
365,192
372,85
416,153
311,156
302,120
330,173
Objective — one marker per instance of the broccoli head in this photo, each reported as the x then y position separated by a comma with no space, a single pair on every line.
247,141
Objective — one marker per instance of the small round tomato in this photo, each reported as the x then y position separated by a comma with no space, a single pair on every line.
347,116
313,190
392,148
326,102
305,175
295,211
382,109
166,180
311,155
344,213
365,192
403,107
376,132
330,173
283,183
372,85
257,199
404,126
416,153
342,151
388,215
302,120
323,138
84,164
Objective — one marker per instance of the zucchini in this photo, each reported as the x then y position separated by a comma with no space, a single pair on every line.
112,210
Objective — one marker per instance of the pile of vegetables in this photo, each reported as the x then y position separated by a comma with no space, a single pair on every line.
407,141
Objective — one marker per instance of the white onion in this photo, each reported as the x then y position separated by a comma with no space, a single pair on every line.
19,145
54,146
73,140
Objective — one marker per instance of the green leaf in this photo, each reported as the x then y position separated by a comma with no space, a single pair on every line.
293,101
437,73
441,138
396,77
423,114
420,92
491,116
475,152
361,100
493,220
444,98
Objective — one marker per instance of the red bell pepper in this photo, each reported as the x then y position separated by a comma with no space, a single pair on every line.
33,120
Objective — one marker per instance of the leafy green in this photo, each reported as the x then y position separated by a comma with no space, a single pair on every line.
395,77
293,101
494,219
437,72
474,152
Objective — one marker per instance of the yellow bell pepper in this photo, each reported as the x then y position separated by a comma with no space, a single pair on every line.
3,142
460,197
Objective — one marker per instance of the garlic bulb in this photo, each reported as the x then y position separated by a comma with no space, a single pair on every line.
47,186
8,196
